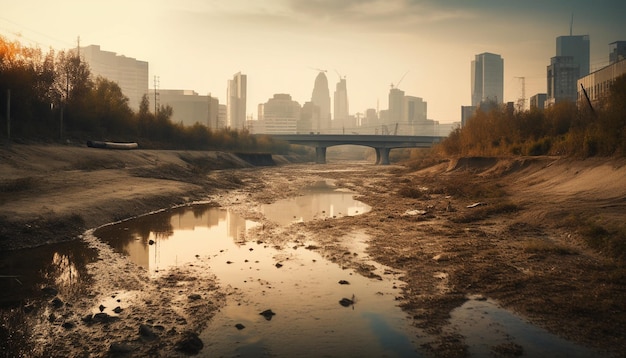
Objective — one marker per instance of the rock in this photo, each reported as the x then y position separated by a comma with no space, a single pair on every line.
278,265
190,344
194,297
240,326
344,282
68,325
346,302
103,318
56,303
101,308
87,318
120,348
118,309
146,332
151,242
268,314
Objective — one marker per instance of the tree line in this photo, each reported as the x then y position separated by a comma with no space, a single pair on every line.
562,129
53,97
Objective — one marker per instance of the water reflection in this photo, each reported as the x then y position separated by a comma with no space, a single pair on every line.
303,291
319,201
26,272
149,240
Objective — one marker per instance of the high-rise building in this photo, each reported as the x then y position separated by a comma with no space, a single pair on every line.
577,47
130,74
190,108
309,115
236,101
563,73
396,106
321,98
341,102
538,101
617,51
487,79
280,114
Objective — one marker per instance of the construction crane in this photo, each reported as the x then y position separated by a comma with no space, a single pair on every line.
398,83
521,103
318,69
340,76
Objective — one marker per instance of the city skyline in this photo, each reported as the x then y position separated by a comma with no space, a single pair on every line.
280,44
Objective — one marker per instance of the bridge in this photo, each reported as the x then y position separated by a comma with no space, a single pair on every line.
381,143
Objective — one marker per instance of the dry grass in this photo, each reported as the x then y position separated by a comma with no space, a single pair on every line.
545,246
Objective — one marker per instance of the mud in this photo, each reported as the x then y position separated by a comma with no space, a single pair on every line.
516,249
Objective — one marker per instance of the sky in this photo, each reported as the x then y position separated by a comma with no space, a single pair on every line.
423,47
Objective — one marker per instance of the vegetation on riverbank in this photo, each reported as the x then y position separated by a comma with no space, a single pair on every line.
563,129
55,98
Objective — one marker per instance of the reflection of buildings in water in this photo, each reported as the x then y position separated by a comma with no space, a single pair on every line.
192,230
64,272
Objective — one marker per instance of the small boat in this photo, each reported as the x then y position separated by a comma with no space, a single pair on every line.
112,145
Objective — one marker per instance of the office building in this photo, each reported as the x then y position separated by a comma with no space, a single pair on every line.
130,74
467,112
617,51
576,47
321,98
279,115
563,73
598,83
396,106
236,101
538,101
487,79
341,113
189,108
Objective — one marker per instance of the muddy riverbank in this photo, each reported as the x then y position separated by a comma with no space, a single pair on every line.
498,229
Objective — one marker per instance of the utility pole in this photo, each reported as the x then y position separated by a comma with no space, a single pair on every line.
156,95
521,103
9,116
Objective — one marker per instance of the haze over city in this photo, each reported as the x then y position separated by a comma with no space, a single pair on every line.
423,47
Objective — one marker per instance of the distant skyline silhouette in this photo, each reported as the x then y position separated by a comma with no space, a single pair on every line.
198,45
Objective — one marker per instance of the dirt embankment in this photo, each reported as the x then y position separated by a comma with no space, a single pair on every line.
52,193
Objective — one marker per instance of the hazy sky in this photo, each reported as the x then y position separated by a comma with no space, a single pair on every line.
199,44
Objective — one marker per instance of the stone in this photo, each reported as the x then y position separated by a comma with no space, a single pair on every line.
190,343
56,303
146,332
240,326
346,302
344,282
268,314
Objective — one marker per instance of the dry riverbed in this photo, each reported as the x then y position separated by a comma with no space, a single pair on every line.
511,230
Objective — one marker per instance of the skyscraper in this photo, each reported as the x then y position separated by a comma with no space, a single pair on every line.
562,76
130,74
341,101
578,48
396,106
236,101
487,78
321,98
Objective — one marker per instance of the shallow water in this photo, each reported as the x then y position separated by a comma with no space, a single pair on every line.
298,285
319,201
485,325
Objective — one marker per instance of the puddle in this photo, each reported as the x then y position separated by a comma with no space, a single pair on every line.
491,330
58,269
319,201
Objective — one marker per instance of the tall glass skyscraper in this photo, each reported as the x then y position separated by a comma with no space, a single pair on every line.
487,79
321,98
578,48
236,101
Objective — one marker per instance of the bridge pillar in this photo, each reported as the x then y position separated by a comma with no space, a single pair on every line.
382,156
320,155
